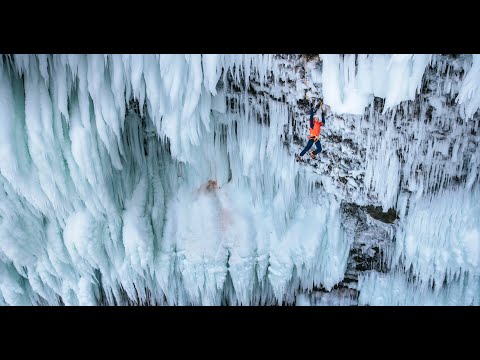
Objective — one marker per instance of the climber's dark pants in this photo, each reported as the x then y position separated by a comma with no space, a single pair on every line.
309,145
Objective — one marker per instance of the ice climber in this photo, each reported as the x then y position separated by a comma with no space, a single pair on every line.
314,137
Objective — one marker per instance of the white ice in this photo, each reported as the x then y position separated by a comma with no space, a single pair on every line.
102,204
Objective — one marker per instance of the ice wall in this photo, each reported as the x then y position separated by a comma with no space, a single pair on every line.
105,162
351,81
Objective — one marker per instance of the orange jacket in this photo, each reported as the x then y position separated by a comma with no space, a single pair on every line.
315,131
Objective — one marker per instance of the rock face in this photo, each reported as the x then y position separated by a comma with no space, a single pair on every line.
171,179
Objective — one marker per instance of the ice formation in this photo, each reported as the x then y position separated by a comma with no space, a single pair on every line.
170,179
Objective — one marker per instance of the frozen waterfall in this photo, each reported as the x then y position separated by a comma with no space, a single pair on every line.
171,179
